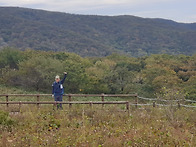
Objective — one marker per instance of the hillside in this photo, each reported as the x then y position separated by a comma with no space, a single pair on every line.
89,35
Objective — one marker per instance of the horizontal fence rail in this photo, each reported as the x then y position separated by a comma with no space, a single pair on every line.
76,95
64,102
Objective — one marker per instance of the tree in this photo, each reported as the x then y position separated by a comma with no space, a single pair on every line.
10,57
37,73
77,78
120,80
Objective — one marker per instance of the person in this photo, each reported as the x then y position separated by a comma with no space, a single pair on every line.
58,90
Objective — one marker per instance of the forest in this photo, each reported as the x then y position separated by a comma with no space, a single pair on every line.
160,75
94,36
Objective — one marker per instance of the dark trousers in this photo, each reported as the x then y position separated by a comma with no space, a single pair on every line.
60,99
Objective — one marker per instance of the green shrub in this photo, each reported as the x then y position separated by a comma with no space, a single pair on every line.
5,119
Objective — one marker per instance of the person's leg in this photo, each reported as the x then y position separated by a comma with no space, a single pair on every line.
60,99
57,98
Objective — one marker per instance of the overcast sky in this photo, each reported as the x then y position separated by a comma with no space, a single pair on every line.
177,10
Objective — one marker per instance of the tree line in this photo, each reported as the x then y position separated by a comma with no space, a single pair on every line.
149,76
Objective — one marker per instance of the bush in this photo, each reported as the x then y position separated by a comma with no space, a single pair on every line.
5,119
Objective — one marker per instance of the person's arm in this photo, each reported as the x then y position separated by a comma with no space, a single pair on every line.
63,80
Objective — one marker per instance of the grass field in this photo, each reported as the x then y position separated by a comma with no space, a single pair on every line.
94,126
85,126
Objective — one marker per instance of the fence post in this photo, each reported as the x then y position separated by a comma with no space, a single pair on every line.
38,99
136,101
54,105
102,99
20,106
90,104
7,100
127,106
154,105
179,104
69,99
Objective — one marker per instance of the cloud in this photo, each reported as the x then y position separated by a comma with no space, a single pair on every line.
75,3
96,6
20,2
171,9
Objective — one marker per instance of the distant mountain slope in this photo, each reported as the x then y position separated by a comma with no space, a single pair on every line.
89,35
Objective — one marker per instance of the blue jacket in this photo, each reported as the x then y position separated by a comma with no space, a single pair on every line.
57,88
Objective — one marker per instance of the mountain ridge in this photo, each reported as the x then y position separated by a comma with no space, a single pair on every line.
91,35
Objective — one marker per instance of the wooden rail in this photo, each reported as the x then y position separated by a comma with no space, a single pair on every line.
73,102
69,102
75,95
70,96
64,102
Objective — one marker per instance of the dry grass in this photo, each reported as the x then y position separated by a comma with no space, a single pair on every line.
85,126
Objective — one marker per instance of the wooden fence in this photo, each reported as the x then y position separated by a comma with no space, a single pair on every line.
69,102
101,102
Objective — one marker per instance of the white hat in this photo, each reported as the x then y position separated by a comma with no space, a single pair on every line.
57,77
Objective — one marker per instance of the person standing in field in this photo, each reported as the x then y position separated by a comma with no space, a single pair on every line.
58,90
